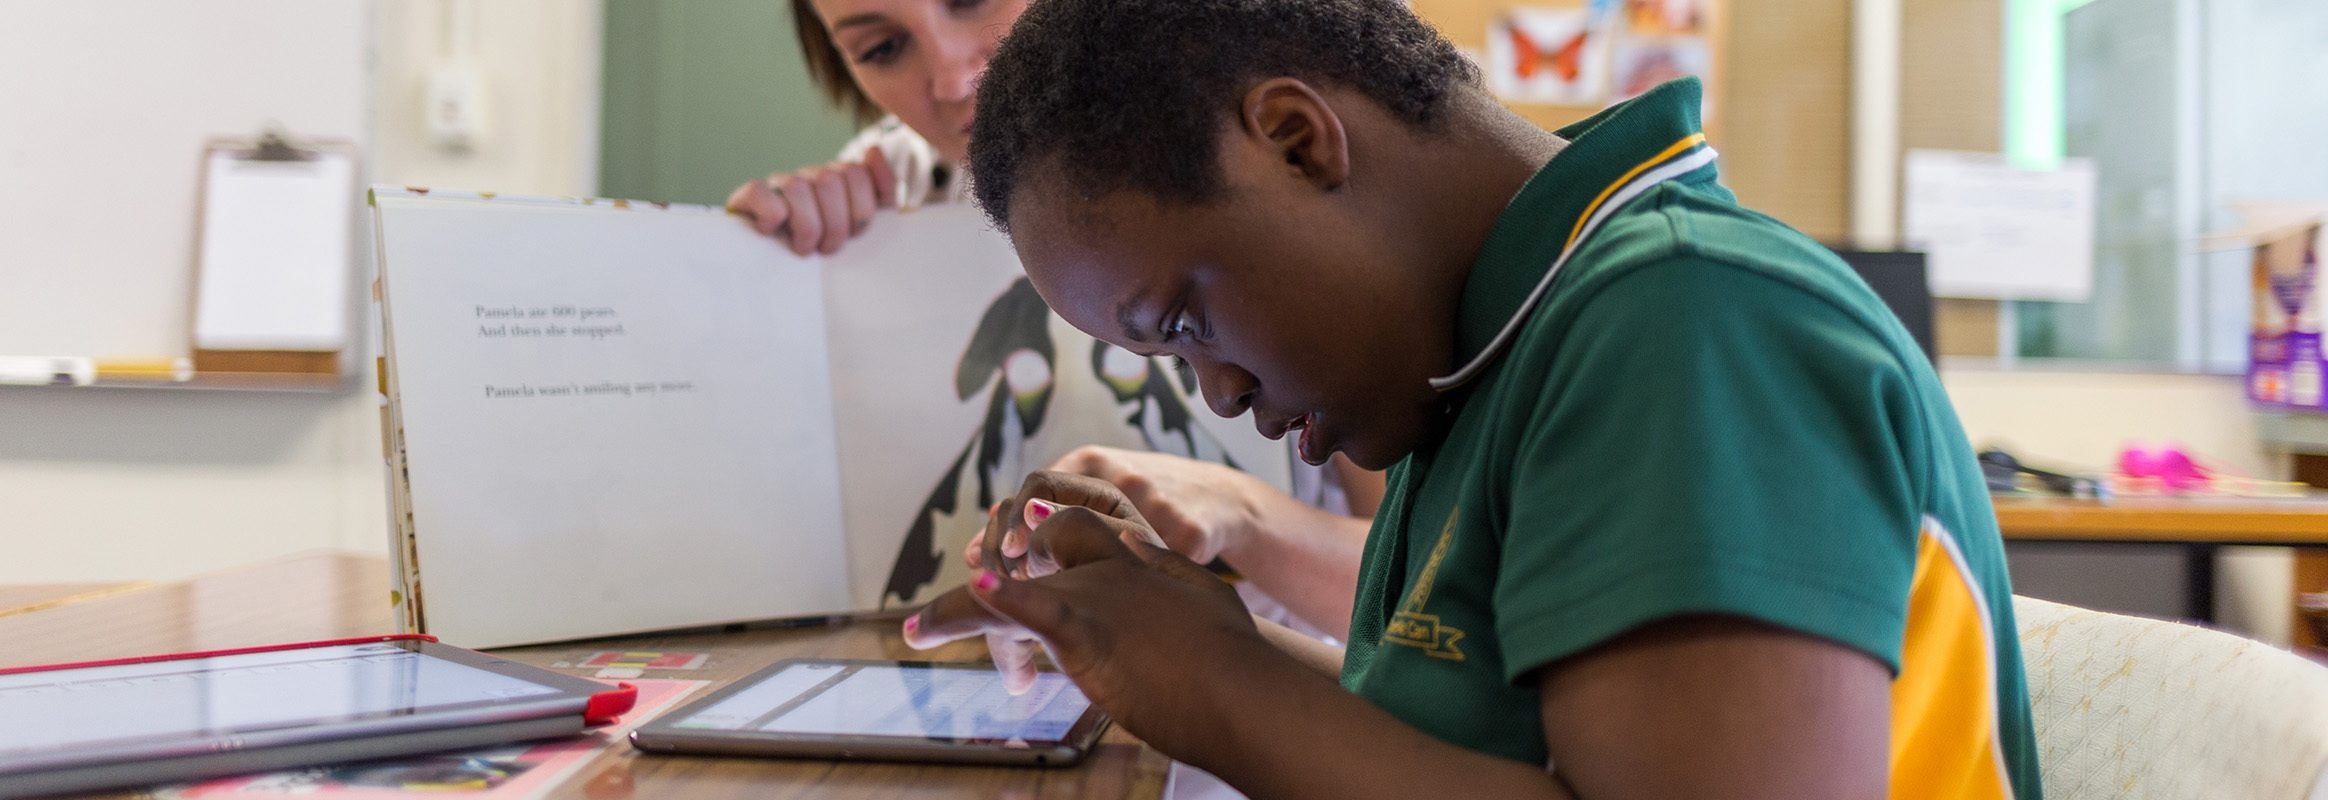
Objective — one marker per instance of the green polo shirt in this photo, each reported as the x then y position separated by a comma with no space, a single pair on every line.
1704,412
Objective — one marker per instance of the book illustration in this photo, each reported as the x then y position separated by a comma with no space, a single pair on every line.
1011,351
1154,405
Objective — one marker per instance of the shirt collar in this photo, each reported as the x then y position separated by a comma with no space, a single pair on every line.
1605,151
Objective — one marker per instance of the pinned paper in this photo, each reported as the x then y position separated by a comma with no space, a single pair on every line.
1994,230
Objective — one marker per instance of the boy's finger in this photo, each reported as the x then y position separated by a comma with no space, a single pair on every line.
990,551
953,616
1014,657
1032,604
1074,535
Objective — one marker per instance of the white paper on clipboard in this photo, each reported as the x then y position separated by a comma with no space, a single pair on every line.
275,254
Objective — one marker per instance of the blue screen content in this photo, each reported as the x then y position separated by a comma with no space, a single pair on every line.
884,700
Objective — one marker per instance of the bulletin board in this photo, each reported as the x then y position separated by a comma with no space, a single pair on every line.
1557,61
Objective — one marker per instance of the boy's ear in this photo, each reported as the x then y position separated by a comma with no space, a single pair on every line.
1293,121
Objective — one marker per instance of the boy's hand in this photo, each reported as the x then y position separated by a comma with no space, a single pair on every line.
1003,545
1121,616
817,209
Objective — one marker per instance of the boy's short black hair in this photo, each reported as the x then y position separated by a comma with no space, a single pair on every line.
1130,94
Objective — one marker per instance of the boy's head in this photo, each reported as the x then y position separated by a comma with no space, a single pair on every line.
1236,182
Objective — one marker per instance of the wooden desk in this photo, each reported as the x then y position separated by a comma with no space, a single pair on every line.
328,595
2224,521
2202,524
20,598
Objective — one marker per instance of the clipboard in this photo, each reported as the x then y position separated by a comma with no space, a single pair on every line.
275,247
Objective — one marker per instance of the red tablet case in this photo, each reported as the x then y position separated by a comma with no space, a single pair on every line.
603,708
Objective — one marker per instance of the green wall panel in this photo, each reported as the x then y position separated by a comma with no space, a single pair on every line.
704,94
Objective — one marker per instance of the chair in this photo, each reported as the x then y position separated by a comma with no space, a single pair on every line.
2127,707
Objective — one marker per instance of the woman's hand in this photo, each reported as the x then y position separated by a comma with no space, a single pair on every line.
1120,615
817,209
1200,509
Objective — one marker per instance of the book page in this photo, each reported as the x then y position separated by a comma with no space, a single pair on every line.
615,419
953,381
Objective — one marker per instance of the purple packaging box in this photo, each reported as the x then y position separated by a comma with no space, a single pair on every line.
2283,356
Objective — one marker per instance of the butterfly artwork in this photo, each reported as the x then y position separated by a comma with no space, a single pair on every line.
1564,60
1555,56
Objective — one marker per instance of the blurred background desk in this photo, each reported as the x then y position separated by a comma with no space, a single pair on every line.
328,595
2199,523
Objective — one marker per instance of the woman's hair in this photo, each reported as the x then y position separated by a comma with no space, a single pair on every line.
829,66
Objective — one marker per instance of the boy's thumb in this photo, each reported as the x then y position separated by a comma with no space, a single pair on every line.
1033,605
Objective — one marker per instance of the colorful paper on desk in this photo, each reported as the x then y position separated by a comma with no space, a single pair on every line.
500,773
610,417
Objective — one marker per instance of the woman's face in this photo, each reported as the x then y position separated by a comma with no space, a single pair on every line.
920,59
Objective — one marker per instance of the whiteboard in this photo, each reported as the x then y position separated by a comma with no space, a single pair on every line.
109,105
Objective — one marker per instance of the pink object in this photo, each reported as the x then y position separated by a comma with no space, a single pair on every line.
2171,466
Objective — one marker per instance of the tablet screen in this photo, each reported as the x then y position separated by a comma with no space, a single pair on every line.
900,700
162,701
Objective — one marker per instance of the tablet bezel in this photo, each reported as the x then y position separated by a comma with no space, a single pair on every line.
572,695
661,735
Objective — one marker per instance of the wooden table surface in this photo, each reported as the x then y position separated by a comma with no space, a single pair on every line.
328,595
24,598
2196,520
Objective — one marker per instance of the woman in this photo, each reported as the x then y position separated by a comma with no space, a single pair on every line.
910,68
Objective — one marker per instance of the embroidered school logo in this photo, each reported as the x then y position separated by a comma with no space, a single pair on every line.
1413,628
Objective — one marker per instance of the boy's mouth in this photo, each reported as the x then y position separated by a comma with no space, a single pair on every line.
1308,446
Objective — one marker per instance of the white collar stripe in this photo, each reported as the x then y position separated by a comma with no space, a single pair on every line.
1648,180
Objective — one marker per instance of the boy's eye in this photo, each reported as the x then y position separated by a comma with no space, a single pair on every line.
1178,327
881,52
959,5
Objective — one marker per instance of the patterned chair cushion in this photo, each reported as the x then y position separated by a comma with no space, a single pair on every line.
2127,707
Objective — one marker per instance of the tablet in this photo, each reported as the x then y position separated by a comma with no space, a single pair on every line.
884,710
131,722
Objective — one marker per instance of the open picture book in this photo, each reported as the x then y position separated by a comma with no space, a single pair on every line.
606,417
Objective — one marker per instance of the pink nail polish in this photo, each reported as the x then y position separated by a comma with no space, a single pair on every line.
986,581
912,625
1037,511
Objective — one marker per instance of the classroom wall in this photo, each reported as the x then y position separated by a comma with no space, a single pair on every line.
703,95
2082,419
137,484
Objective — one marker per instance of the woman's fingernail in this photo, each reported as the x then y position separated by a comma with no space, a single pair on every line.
986,581
1038,510
912,625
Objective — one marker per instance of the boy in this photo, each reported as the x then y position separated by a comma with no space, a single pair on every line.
1676,509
